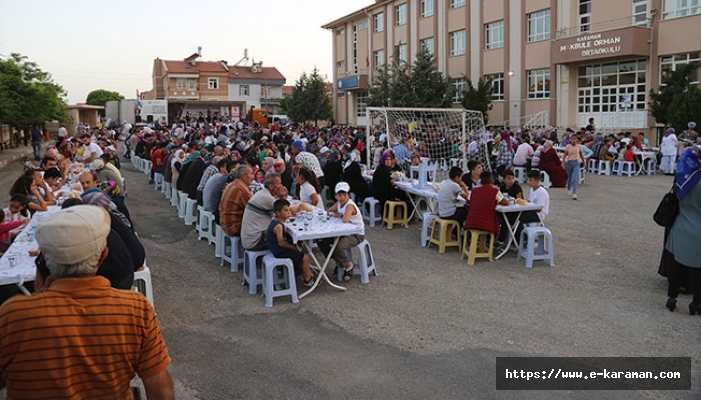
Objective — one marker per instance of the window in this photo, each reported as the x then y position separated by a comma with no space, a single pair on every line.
426,8
360,26
341,64
379,22
401,14
459,85
611,86
244,90
494,35
340,31
379,58
457,43
181,83
640,12
428,45
497,86
213,83
402,50
192,84
672,63
539,26
361,104
681,8
584,16
341,95
457,3
539,84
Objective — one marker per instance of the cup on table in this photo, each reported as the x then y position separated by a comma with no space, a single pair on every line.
13,259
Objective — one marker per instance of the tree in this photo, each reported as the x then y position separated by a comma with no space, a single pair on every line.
685,107
379,90
100,97
28,95
431,88
662,99
310,99
478,98
285,104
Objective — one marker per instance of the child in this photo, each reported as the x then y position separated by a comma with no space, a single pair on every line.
538,196
629,155
277,245
510,186
17,211
6,235
349,212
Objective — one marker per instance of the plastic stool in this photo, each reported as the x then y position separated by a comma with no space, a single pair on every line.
593,166
147,166
251,273
627,168
582,171
157,181
474,245
205,224
218,232
182,196
545,179
136,162
166,190
604,167
233,253
143,274
650,166
371,211
366,263
174,196
390,217
520,174
190,211
446,227
428,218
527,245
271,279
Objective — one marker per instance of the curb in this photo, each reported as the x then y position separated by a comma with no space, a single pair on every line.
15,157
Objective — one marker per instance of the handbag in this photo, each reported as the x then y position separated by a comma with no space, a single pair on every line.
668,209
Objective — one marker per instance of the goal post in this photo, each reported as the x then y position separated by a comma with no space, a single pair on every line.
441,134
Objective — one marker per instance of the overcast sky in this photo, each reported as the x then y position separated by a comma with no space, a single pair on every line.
95,44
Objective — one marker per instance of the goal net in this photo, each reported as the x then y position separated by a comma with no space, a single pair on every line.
442,135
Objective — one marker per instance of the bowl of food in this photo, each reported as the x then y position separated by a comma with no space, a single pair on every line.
521,202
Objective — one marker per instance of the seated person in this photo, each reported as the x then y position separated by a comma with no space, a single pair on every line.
524,154
348,211
52,177
448,194
510,187
629,155
550,162
309,188
604,154
275,239
482,213
472,180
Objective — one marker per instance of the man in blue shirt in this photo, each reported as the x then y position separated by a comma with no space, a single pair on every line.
402,153
36,141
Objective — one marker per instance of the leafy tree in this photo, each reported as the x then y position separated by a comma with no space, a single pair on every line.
661,100
431,88
100,97
310,99
685,107
28,95
401,94
285,104
478,98
379,90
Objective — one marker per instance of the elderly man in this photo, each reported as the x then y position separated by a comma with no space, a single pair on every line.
259,212
91,337
234,199
213,189
93,195
281,169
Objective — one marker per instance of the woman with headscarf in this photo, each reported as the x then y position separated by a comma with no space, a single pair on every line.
353,175
668,148
550,163
383,184
685,234
176,164
505,160
268,165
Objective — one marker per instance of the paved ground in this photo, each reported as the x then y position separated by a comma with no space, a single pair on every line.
429,326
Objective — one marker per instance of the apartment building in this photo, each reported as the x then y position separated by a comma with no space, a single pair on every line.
552,62
214,88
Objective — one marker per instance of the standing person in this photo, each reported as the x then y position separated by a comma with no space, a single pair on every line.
669,151
37,138
573,157
92,338
62,133
505,160
685,234
348,211
690,134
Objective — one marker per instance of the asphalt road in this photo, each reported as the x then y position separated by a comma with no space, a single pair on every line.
429,326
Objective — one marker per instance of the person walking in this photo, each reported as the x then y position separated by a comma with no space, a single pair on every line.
573,157
685,234
37,138
669,151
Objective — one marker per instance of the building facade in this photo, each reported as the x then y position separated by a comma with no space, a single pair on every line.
552,62
194,87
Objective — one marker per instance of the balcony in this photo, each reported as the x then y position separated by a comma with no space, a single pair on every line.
620,37
183,94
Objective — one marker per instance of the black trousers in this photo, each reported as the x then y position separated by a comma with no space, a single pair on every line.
675,277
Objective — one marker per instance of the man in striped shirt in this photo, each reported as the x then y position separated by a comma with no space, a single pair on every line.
79,338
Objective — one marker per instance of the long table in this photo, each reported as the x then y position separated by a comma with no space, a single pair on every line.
321,227
25,271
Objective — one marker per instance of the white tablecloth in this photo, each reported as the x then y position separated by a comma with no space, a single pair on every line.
25,270
319,228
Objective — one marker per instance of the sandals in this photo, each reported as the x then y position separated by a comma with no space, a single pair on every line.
348,273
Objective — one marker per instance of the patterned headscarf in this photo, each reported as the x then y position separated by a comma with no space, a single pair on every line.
505,137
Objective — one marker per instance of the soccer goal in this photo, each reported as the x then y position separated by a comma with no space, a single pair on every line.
442,135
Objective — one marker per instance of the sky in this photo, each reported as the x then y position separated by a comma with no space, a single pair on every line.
88,45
